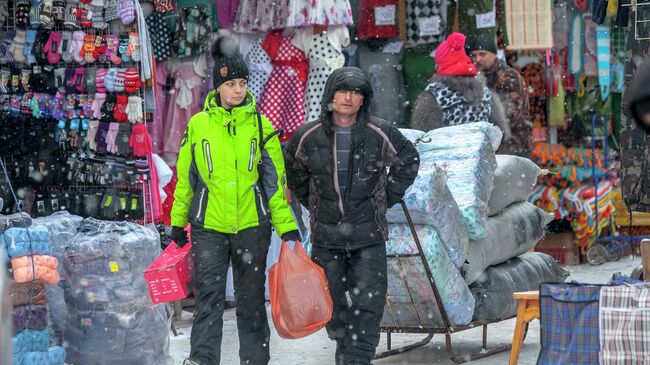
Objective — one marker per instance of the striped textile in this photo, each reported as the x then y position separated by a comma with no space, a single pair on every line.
603,41
625,324
569,324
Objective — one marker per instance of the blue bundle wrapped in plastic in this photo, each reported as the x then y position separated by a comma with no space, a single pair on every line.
456,296
27,241
430,202
53,356
467,155
29,341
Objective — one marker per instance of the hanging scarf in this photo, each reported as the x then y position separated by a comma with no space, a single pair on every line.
604,54
576,45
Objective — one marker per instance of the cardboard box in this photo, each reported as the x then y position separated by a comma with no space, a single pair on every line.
169,277
561,246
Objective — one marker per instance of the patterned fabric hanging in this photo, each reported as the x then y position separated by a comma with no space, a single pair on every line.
425,22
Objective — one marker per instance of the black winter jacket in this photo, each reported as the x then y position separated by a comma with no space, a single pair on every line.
383,164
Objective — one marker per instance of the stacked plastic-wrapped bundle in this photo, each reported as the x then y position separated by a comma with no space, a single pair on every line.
62,227
455,295
32,267
493,291
509,234
5,315
466,153
112,319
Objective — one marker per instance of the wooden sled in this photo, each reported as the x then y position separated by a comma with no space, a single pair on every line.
408,310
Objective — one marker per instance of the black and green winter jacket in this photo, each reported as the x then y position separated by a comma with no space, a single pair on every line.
219,187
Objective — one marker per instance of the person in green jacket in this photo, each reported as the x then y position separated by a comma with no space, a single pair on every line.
231,188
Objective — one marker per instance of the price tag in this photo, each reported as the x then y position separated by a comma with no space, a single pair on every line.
385,15
429,26
113,266
486,20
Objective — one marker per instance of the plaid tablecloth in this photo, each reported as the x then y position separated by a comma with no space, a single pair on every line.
625,324
569,324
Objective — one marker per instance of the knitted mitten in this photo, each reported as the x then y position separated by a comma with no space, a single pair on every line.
35,14
78,46
134,46
46,16
126,11
112,44
109,80
21,15
99,81
132,80
71,14
52,48
30,38
120,78
65,46
17,48
88,49
98,17
84,15
124,48
111,10
58,11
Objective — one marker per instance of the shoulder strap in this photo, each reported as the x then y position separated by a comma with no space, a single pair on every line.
262,139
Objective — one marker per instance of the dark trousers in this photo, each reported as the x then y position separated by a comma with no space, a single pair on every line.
362,274
212,251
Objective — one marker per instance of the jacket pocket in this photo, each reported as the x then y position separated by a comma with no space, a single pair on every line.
207,155
251,157
201,200
261,203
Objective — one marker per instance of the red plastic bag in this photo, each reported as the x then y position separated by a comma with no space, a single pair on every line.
301,303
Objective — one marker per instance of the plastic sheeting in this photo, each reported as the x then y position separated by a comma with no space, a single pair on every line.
53,356
33,317
110,318
29,341
456,296
467,155
411,134
27,241
514,181
14,220
63,227
494,291
494,134
430,202
5,319
20,293
509,234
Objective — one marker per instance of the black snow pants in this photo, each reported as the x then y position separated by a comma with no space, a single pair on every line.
212,251
362,274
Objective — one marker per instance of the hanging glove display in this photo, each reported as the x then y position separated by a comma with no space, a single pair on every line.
140,141
134,109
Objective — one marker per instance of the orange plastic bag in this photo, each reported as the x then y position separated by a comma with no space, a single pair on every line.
301,303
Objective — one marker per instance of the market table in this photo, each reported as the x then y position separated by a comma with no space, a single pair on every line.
527,311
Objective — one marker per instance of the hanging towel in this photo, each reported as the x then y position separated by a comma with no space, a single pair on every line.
603,51
576,45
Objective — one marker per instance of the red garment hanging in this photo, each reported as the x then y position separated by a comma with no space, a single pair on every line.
378,19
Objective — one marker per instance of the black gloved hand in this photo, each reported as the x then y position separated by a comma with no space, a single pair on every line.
291,236
179,236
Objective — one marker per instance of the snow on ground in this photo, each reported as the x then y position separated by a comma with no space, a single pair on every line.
317,349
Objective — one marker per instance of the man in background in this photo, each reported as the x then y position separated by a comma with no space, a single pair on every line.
511,88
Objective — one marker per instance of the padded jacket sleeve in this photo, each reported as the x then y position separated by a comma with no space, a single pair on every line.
403,169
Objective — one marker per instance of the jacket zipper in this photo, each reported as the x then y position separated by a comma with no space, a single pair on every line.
252,155
258,193
336,177
198,214
208,156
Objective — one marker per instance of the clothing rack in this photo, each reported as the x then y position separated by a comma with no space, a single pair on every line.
447,329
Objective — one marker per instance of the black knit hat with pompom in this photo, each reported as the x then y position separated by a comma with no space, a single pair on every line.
228,62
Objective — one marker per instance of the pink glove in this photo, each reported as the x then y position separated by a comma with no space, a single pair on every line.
140,141
113,128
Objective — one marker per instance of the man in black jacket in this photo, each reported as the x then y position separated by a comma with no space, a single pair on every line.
347,168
